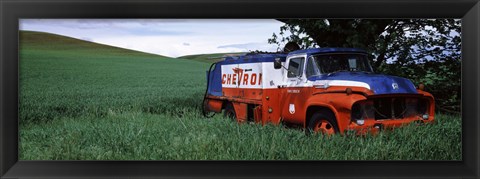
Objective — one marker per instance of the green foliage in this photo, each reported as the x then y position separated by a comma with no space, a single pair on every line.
442,79
105,103
424,50
402,40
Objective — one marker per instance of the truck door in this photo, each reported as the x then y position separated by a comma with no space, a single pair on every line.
295,90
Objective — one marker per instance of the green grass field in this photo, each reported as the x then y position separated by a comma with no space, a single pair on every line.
85,101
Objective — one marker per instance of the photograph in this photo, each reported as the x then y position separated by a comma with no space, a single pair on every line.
289,89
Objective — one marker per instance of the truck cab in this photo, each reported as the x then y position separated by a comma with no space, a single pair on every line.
327,90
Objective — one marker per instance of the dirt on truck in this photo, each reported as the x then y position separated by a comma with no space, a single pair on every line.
326,90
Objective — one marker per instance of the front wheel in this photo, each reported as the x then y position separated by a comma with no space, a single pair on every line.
322,122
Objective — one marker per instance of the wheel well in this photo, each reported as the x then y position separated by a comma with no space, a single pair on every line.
250,108
312,109
225,103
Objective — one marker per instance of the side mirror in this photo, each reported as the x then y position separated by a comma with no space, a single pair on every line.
277,64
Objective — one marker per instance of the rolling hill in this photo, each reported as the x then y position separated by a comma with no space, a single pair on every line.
67,77
47,41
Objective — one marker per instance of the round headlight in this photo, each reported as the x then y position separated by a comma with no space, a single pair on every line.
425,116
360,121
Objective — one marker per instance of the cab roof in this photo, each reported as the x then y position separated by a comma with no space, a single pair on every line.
254,58
313,51
270,57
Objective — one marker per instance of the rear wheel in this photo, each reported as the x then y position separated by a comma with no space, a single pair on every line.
229,112
322,122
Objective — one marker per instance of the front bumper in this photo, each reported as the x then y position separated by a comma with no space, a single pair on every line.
387,112
371,126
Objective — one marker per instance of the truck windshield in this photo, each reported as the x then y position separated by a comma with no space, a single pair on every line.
330,63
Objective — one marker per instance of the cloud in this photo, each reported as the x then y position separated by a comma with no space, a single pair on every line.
70,23
157,32
252,46
244,45
170,37
87,39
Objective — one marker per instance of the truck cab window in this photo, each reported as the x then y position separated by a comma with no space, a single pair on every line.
311,68
295,67
331,63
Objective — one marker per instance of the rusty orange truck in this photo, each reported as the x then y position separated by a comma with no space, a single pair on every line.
327,90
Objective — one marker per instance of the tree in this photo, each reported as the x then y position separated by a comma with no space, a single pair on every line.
425,50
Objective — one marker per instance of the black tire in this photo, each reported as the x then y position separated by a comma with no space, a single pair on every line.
328,123
229,112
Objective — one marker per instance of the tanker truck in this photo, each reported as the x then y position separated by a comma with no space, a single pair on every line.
322,90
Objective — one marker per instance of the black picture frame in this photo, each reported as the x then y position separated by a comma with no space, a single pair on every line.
12,11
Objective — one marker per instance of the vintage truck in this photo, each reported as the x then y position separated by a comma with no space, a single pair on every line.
327,90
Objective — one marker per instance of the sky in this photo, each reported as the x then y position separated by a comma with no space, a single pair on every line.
168,37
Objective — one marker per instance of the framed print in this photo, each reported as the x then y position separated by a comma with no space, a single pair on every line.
218,88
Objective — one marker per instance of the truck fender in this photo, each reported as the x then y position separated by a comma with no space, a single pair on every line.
431,101
213,105
340,104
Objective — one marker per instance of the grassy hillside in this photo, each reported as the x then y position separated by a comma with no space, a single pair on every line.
68,77
209,58
85,101
34,41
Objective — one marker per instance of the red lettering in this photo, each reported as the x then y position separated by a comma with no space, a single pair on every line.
260,79
223,78
234,79
253,79
245,79
240,77
229,77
